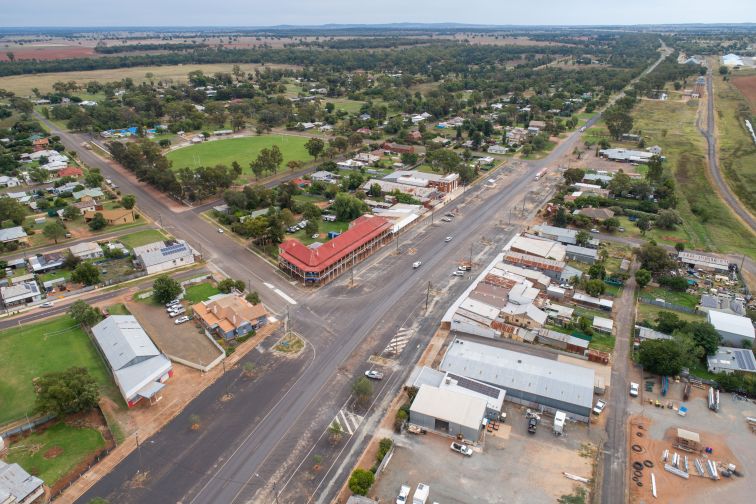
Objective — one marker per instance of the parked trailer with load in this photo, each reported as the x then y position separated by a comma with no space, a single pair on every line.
421,494
541,173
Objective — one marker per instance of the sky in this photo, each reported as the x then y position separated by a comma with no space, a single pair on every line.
17,13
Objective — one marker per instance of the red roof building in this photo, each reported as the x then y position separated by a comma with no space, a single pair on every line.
322,264
70,171
396,148
40,144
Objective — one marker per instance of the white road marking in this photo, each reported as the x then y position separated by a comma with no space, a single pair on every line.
281,293
348,421
398,342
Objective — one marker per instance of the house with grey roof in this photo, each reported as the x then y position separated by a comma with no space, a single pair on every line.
86,250
13,234
18,486
94,193
22,292
163,255
139,368
582,254
730,360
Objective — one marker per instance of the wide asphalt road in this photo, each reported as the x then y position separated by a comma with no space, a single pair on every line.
722,188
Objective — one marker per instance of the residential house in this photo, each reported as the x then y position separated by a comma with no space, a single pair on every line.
86,250
163,255
40,144
86,207
65,188
582,254
113,217
537,124
20,293
230,315
70,171
90,193
730,360
6,181
46,262
395,148
517,136
414,136
18,486
560,234
14,234
139,368
367,158
603,325
324,176
350,164
497,149
528,315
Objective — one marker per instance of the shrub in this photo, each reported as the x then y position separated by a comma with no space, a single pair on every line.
361,481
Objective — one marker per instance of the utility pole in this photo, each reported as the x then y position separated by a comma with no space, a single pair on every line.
471,246
427,296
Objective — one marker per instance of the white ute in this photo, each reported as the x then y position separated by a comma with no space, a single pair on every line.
634,387
403,494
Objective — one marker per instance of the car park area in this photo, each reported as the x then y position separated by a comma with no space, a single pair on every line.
511,465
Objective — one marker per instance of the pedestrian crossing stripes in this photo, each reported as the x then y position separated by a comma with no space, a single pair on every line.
398,342
348,421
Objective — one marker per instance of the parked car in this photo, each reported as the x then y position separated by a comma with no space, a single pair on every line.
374,375
458,273
594,231
417,264
403,494
446,219
449,214
464,267
448,239
220,230
634,387
460,448
172,303
600,404
181,320
621,229
46,304
532,424
177,313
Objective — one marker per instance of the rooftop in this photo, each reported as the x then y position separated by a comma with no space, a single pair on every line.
450,405
162,251
733,359
730,323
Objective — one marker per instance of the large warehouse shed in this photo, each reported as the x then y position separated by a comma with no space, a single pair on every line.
528,380
448,411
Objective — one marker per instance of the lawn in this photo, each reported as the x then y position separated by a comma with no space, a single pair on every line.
707,223
32,350
350,106
323,229
678,298
118,309
649,312
243,150
33,453
141,238
602,342
308,198
200,292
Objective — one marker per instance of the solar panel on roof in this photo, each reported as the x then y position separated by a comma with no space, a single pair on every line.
475,386
743,361
172,249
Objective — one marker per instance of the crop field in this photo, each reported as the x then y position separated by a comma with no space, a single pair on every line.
707,223
243,150
746,84
33,350
22,84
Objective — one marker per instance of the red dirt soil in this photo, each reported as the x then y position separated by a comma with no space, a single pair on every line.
53,452
747,86
48,52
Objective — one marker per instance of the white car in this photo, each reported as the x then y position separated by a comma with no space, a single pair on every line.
458,273
181,320
403,494
417,264
374,375
600,404
177,312
460,448
634,387
47,304
446,219
220,230
594,231
448,239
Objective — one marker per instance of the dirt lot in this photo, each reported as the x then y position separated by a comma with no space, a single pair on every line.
725,432
746,84
184,341
511,467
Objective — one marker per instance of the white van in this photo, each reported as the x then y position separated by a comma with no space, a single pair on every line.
417,264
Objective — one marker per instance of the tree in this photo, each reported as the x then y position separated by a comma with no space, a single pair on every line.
347,207
375,190
128,201
360,481
227,285
83,314
661,357
71,212
11,209
311,228
597,270
705,336
595,287
54,231
294,165
653,257
66,392
253,297
71,261
93,178
577,497
561,218
723,70
668,322
409,158
311,212
315,147
335,432
655,168
611,224
674,283
644,224
97,222
642,277
667,219
165,289
86,273
362,389
618,122
573,175
582,238
679,246
11,56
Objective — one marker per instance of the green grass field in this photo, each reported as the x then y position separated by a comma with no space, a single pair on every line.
32,350
118,309
243,150
737,151
351,106
707,223
648,312
74,445
141,238
602,342
200,292
323,229
678,298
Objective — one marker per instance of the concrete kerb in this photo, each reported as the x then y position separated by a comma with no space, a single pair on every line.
120,452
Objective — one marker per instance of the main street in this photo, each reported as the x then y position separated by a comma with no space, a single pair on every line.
341,325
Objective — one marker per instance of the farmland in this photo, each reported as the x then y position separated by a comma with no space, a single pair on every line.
242,150
746,84
33,350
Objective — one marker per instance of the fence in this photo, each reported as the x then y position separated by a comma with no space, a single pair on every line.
29,425
96,460
665,304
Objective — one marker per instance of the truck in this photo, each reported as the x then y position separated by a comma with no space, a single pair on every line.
541,173
421,494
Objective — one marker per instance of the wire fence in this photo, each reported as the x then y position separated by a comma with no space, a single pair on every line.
665,304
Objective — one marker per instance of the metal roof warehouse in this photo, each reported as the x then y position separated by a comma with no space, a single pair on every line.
527,379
